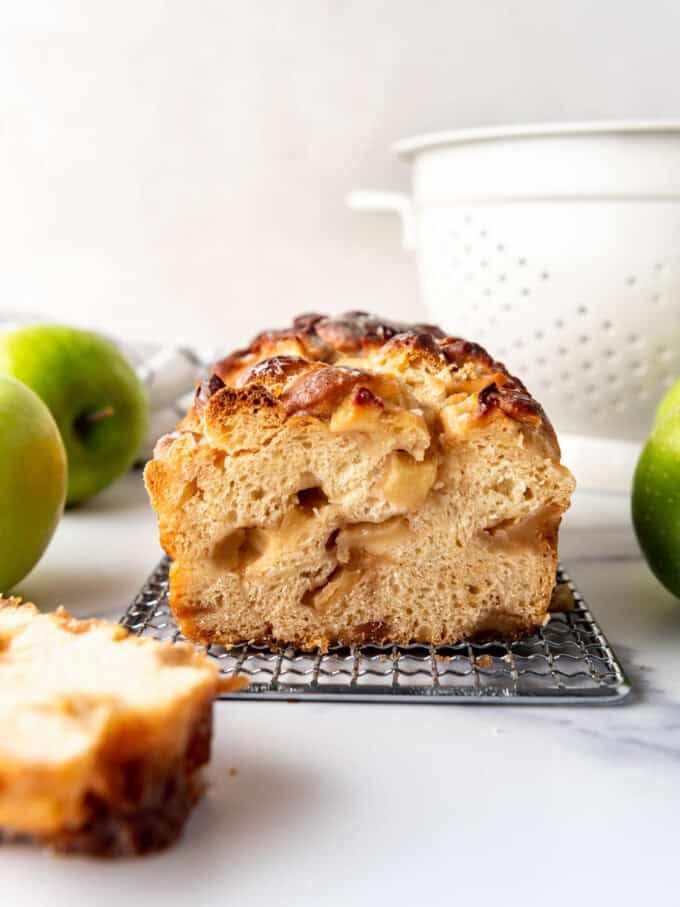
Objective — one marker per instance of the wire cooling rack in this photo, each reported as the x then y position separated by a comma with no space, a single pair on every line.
569,661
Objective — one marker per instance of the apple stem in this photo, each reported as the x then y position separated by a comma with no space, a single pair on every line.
105,413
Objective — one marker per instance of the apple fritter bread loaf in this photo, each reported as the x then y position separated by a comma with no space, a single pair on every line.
103,733
354,480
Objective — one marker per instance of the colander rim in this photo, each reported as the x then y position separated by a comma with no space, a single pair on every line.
412,145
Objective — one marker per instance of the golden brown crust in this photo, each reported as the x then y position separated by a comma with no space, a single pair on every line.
374,633
303,365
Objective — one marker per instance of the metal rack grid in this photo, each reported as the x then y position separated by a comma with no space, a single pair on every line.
569,661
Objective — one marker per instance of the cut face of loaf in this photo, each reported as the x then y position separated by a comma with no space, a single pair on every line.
350,480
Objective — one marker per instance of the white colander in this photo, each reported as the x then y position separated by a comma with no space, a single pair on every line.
558,248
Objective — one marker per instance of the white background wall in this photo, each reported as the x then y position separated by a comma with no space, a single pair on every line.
177,169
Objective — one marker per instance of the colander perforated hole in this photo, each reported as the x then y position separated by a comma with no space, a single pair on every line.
592,350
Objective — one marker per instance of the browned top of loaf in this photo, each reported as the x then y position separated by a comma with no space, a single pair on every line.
310,367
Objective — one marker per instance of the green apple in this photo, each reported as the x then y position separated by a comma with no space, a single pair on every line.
93,393
669,403
32,480
656,495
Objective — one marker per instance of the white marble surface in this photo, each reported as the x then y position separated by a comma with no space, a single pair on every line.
358,804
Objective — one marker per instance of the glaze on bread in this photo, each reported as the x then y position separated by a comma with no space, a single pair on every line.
354,480
103,733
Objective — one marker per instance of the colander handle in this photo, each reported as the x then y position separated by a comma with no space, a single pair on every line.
390,202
